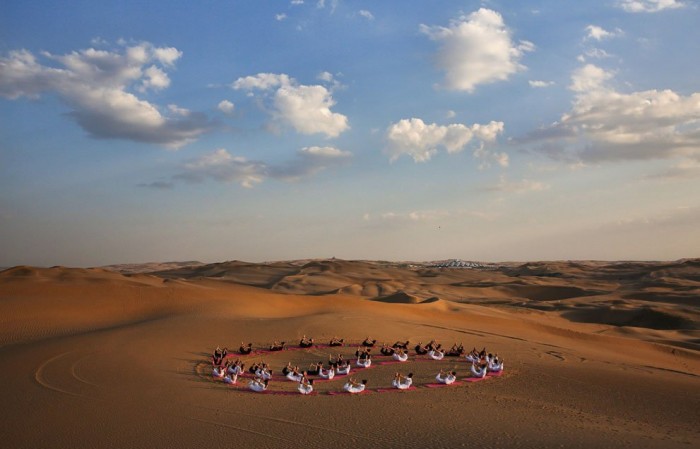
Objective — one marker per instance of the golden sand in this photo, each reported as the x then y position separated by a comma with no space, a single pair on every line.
597,355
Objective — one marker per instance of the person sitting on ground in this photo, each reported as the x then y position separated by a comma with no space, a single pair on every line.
219,356
245,349
258,384
343,367
386,350
218,371
327,374
433,346
306,342
362,352
264,371
335,341
368,343
315,369
479,371
400,355
231,378
353,386
306,385
420,349
402,382
236,367
496,364
455,351
295,375
287,369
277,346
401,344
254,367
364,359
473,355
446,378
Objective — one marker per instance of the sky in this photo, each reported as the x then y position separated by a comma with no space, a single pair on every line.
397,130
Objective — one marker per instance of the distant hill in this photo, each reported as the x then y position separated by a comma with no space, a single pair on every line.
150,267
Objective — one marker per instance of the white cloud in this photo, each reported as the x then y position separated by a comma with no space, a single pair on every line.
605,124
226,106
325,76
597,33
450,114
306,108
96,85
262,81
589,78
280,17
366,14
221,166
297,2
476,49
649,5
414,138
539,83
155,79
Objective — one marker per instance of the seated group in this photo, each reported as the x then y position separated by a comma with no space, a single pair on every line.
229,370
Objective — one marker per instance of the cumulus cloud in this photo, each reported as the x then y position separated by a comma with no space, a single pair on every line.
419,140
540,83
222,166
589,78
307,108
226,106
476,49
98,86
262,81
280,17
649,5
605,124
598,33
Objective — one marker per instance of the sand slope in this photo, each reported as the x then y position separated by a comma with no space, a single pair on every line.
601,355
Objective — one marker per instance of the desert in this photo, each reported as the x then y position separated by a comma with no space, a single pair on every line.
596,354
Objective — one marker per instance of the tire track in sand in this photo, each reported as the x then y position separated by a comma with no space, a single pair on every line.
41,380
76,376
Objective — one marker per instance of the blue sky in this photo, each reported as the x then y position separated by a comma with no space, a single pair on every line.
391,130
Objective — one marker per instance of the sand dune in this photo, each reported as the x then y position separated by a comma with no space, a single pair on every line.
597,354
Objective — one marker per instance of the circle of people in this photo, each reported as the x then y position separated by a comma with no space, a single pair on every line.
230,370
